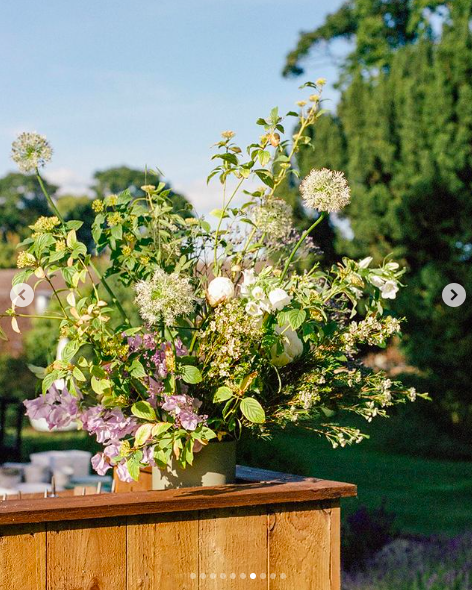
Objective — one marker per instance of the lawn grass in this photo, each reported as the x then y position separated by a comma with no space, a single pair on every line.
427,496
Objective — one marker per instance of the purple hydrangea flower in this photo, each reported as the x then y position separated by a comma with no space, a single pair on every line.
57,406
184,409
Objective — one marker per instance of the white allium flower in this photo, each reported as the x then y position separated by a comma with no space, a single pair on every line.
325,190
274,218
31,151
389,290
279,299
292,344
164,297
220,290
364,263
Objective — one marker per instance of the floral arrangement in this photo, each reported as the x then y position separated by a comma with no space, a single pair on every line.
233,334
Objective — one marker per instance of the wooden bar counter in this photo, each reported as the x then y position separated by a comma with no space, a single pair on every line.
269,531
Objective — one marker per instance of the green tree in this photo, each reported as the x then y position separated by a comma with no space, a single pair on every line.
115,180
403,135
376,27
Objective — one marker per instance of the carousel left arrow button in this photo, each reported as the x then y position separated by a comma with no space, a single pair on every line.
21,295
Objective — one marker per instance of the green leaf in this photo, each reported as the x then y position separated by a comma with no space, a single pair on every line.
296,317
100,385
143,434
22,276
3,336
77,373
39,372
49,380
117,231
133,464
252,410
264,157
191,374
160,428
137,370
222,394
74,224
143,410
70,350
219,213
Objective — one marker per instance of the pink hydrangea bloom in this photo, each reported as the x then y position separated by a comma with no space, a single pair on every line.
57,406
184,409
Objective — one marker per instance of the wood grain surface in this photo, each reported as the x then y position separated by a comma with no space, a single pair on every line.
162,552
23,557
180,500
233,545
86,555
299,548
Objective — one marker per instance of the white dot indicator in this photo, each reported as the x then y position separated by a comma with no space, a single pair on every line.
242,576
193,576
232,576
223,576
253,576
283,576
272,576
203,576
263,576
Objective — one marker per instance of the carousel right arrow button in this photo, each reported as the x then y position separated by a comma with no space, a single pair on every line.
454,295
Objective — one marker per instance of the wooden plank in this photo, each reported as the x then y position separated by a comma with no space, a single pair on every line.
180,500
233,549
299,548
335,543
86,555
162,552
23,557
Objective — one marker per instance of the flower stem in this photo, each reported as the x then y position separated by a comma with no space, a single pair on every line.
100,277
300,242
48,197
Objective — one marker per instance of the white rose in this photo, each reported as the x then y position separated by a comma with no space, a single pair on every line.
292,344
279,298
364,263
389,290
376,281
220,290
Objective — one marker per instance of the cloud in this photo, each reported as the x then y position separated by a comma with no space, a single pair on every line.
69,181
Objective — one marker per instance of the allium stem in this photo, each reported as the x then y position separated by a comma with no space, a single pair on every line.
300,242
51,203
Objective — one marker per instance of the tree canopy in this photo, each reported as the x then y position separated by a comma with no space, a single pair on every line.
403,136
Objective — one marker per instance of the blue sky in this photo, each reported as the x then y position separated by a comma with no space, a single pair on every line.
153,82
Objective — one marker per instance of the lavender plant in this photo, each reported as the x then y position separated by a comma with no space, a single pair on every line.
232,336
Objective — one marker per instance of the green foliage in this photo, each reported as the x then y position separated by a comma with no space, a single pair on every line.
16,380
21,203
403,137
79,207
378,28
